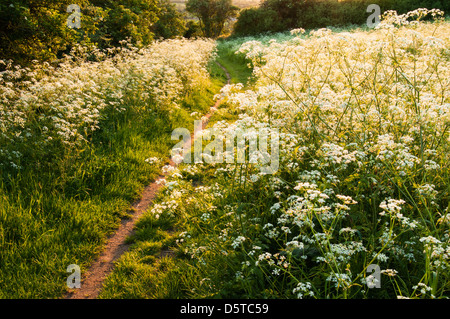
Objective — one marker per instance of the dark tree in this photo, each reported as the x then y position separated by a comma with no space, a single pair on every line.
212,15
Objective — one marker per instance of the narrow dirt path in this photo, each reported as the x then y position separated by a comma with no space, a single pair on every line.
92,280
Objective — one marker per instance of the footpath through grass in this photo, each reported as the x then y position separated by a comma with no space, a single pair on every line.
58,210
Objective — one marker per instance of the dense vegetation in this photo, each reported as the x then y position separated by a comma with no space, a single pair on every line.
282,15
212,15
37,29
361,116
77,147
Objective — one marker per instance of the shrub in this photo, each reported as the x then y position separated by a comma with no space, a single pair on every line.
253,21
312,14
37,30
363,176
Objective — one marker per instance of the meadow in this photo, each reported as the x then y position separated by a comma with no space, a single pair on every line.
363,117
359,207
78,144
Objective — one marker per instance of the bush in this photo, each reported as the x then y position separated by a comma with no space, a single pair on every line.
192,29
126,19
288,10
253,21
323,13
37,30
212,15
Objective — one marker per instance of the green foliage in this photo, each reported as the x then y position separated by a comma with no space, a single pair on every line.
212,15
127,19
288,10
170,22
193,29
257,20
324,13
38,30
282,15
403,6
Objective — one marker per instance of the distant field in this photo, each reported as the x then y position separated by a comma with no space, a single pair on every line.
180,4
246,3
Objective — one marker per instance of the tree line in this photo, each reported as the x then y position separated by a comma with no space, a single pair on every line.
282,15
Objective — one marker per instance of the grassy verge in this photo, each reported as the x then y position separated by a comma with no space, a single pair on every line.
154,267
236,64
61,217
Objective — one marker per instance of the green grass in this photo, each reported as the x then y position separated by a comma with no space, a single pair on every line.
61,215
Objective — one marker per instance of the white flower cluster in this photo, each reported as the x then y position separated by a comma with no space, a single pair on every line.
391,19
303,289
63,104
